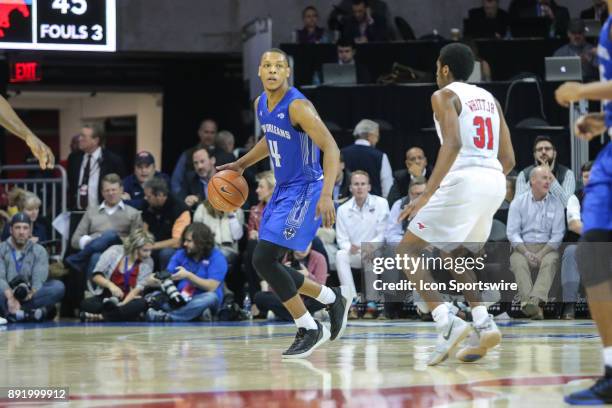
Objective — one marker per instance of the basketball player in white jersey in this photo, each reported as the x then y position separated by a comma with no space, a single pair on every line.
464,191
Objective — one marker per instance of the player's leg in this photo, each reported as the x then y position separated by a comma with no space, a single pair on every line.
451,329
311,334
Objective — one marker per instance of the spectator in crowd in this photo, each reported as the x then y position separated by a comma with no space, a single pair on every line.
207,133
563,183
488,21
102,226
502,213
198,270
121,273
88,166
535,230
309,263
570,277
362,155
361,219
342,185
196,185
345,50
416,166
226,142
30,206
599,11
558,16
144,170
311,33
363,25
265,187
396,229
579,47
25,292
166,218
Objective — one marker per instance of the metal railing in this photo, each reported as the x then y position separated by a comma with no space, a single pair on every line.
52,191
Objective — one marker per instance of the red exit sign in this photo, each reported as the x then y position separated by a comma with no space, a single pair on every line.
25,72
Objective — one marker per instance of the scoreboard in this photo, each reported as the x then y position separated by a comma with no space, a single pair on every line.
69,25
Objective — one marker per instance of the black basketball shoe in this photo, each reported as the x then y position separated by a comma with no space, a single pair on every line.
600,393
338,311
306,341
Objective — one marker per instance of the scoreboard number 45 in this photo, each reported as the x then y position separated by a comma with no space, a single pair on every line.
78,7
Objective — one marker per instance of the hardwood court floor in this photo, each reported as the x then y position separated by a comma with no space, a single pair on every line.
376,364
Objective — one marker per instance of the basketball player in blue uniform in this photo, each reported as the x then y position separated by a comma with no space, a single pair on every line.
294,135
593,254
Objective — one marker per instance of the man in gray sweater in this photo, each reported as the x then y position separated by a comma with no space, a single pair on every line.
25,293
102,226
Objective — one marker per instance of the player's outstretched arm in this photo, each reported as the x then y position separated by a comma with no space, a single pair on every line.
574,91
505,154
11,122
304,115
257,153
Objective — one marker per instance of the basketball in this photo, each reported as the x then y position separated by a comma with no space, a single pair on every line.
227,191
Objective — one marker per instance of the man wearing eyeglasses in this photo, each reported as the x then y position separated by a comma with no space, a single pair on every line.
563,184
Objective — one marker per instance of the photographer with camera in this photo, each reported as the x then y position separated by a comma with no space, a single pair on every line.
121,275
25,293
309,263
197,271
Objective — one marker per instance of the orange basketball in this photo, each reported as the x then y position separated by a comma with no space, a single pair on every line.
227,191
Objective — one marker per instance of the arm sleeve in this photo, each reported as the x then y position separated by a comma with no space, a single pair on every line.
521,184
563,192
573,209
382,208
198,216
217,268
174,261
393,230
40,271
236,225
513,230
180,224
342,237
386,176
81,229
178,175
107,261
558,228
146,269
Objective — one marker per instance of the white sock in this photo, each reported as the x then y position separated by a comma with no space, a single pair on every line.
440,315
327,296
306,321
479,315
607,356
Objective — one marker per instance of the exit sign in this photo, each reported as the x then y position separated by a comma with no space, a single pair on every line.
23,71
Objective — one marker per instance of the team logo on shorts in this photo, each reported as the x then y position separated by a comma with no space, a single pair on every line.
421,226
289,233
281,115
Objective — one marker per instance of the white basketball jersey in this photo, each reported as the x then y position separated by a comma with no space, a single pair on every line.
479,123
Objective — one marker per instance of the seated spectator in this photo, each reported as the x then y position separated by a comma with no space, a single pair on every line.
102,226
309,263
570,276
579,47
144,170
563,183
488,21
226,142
166,218
362,155
40,226
363,26
207,134
198,270
361,219
345,50
121,274
341,191
311,33
599,11
265,187
535,231
557,16
25,292
416,166
396,229
226,226
195,189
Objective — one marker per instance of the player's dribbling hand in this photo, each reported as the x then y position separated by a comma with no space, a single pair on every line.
326,210
412,208
235,166
566,93
589,126
41,151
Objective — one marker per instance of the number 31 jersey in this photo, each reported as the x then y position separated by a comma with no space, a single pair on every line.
479,123
294,157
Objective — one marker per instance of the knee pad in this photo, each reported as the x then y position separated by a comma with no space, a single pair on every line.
594,257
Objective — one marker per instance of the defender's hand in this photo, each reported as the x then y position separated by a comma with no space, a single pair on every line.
41,151
589,126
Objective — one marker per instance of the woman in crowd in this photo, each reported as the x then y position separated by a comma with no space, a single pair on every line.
29,203
121,275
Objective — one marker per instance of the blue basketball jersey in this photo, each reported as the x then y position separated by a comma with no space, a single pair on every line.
604,52
293,155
